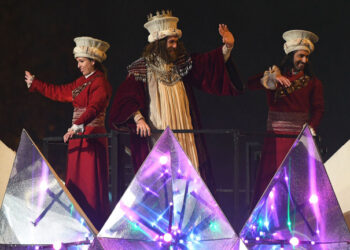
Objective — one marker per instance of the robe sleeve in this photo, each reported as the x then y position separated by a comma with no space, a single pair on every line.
317,104
129,98
254,82
211,74
98,99
61,93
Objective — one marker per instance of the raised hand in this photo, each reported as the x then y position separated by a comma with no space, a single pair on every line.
28,78
227,37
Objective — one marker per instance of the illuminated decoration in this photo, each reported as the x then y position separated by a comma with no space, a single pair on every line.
298,209
167,206
38,212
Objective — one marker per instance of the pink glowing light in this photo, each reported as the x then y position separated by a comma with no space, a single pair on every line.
312,242
57,245
43,186
167,237
163,160
294,241
313,199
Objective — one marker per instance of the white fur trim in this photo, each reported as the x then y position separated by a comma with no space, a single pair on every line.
78,128
269,78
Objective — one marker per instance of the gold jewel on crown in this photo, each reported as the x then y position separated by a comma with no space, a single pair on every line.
158,14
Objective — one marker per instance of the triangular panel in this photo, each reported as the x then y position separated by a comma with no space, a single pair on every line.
7,156
37,208
168,204
298,208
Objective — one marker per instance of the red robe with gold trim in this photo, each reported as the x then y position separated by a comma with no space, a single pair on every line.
87,164
287,114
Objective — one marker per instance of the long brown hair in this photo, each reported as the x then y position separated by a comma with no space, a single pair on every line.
159,49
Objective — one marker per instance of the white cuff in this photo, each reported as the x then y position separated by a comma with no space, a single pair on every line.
138,116
226,51
269,78
78,128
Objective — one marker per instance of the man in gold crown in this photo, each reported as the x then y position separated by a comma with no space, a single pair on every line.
158,89
294,96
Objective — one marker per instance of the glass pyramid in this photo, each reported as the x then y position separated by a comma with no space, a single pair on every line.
38,212
299,209
167,206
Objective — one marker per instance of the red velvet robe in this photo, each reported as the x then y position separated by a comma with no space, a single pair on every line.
87,164
309,100
209,73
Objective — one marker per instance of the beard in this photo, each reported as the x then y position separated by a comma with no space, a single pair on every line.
172,55
299,66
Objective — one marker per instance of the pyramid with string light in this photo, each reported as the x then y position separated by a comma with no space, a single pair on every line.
298,209
167,206
37,211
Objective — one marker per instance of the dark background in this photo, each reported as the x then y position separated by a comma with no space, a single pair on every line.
38,36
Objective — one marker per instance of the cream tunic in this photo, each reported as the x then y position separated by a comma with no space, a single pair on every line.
169,107
169,104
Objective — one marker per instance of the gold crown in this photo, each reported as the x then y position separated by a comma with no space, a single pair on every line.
158,14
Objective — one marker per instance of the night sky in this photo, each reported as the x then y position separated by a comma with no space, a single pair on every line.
38,36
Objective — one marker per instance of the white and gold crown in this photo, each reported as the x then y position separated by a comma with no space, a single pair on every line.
161,25
90,47
299,40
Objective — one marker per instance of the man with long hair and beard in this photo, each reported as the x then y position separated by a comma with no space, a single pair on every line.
294,96
157,92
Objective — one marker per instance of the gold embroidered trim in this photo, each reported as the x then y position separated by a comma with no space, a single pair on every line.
295,85
79,89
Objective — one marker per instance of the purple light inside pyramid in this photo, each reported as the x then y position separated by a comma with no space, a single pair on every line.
57,245
43,186
299,206
313,185
168,209
163,159
167,237
313,199
294,241
43,183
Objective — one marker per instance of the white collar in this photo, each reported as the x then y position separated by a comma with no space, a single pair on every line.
87,76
